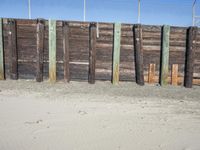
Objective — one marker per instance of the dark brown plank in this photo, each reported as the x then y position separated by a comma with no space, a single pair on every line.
40,50
138,54
92,53
12,46
66,51
190,50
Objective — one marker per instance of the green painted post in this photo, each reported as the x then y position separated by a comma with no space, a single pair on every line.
52,50
165,55
1,51
116,53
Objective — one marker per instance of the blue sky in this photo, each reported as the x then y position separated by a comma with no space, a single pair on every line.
171,12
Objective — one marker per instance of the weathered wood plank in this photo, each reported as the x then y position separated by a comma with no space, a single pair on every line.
92,53
66,51
174,76
190,50
116,53
165,55
2,77
151,75
52,50
139,66
12,46
40,50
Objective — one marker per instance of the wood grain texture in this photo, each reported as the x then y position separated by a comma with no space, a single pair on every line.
139,63
40,50
165,55
116,53
92,53
190,51
151,76
66,51
52,50
12,46
79,50
2,77
174,76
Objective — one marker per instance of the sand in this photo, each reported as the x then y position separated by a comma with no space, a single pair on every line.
79,116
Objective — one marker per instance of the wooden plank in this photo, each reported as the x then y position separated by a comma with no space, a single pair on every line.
139,66
66,51
2,77
174,74
92,53
116,53
165,55
151,75
52,50
190,50
40,50
12,46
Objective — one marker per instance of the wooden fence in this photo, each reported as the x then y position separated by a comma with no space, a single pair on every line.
61,50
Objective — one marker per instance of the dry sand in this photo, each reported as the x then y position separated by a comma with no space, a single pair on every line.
79,116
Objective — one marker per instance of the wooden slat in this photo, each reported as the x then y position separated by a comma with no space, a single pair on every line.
190,50
165,55
92,53
2,77
174,76
139,66
12,46
52,50
40,50
66,51
151,76
116,53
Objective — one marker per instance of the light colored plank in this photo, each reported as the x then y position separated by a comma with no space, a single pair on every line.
151,77
165,55
175,74
52,50
116,53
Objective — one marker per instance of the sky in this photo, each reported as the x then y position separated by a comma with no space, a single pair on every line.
157,12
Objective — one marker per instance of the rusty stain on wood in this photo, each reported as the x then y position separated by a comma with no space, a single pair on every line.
116,53
151,75
52,50
2,77
174,77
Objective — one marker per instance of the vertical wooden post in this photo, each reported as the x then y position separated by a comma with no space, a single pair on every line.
152,69
116,53
190,50
139,66
165,55
52,50
92,53
66,51
174,74
40,50
1,51
12,46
